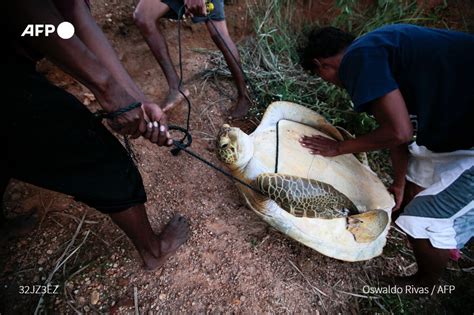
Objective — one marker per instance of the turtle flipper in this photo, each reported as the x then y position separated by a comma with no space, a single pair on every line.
367,226
304,197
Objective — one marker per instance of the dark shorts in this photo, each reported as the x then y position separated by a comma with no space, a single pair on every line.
53,141
176,13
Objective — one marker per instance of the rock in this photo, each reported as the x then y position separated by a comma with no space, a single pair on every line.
162,296
95,296
15,196
123,282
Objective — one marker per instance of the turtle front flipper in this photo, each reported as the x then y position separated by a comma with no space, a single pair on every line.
304,197
367,226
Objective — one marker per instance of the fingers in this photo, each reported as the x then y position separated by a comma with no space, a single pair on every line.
397,196
162,139
321,145
148,131
155,132
158,133
313,143
196,7
169,142
142,126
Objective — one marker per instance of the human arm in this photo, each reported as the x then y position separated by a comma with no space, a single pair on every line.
394,129
78,13
399,157
74,57
92,36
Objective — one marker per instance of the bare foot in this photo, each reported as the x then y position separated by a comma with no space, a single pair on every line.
241,108
170,239
173,99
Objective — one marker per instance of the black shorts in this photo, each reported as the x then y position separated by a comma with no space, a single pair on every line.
53,141
176,11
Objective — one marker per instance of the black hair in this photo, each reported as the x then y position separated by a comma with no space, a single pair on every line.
323,43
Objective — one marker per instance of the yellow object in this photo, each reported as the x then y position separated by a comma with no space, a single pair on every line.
209,6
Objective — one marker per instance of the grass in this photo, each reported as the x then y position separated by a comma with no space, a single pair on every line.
360,19
270,59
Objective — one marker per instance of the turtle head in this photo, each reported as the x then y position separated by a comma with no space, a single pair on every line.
234,147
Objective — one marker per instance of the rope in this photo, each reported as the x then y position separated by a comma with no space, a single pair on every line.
229,175
111,115
277,153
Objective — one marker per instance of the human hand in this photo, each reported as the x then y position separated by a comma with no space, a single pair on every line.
195,7
321,145
129,123
157,125
398,191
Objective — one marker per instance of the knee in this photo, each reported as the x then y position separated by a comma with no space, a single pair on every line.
143,21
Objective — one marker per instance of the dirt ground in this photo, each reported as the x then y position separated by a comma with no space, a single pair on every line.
233,262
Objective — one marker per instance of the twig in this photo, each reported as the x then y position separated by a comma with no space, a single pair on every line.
76,219
357,295
63,259
306,279
135,298
66,293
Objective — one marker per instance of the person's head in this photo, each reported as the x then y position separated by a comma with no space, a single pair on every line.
323,52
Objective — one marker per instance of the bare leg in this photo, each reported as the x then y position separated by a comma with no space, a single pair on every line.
431,261
146,17
154,249
220,36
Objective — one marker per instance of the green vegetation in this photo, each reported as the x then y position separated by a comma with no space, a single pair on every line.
270,58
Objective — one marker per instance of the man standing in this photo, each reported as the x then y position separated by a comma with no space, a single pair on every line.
396,73
53,141
146,16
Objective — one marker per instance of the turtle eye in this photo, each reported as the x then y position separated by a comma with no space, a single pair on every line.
225,145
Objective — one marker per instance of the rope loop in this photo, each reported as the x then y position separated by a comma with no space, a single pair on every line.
101,114
185,142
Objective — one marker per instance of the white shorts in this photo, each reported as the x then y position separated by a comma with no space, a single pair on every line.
444,211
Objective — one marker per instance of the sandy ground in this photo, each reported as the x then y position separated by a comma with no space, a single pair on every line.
233,262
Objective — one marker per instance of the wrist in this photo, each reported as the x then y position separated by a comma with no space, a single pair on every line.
340,147
111,95
399,182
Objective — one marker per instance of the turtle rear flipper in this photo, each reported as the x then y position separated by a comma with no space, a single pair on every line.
367,226
304,197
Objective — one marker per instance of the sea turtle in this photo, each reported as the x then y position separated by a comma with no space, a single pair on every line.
335,205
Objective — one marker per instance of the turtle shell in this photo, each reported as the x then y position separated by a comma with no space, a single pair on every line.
345,173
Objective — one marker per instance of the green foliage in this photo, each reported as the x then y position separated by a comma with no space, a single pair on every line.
360,19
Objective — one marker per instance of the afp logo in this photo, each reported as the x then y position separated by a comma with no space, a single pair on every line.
65,30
